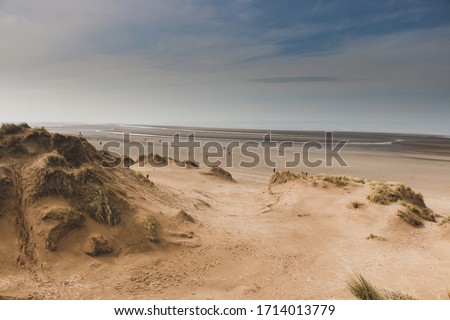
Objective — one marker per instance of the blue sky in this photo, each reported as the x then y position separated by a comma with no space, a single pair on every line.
344,64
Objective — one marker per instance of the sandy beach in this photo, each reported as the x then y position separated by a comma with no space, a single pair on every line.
193,233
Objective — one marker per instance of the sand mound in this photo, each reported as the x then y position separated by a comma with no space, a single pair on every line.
56,189
155,160
219,173
339,181
415,210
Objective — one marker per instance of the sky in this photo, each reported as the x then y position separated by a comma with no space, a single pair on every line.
348,65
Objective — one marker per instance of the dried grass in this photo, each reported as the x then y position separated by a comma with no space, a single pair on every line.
152,228
356,204
105,206
97,245
410,218
51,182
363,289
385,194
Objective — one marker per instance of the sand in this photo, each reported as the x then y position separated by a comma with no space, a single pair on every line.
216,238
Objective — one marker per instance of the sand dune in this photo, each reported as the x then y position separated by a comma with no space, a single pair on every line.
72,229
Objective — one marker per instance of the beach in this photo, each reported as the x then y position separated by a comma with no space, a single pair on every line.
248,236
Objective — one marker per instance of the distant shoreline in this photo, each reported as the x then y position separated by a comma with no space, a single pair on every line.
392,142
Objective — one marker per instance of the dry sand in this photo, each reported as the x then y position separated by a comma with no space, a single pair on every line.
215,238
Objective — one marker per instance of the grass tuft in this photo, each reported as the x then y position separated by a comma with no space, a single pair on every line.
410,218
55,160
152,228
339,181
385,195
98,245
356,204
51,182
283,177
105,206
445,221
10,128
363,289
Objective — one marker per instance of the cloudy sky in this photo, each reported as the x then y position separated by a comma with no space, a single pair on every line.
344,64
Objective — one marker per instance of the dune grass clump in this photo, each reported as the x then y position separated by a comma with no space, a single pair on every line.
360,180
87,176
385,195
445,221
75,150
356,204
10,128
191,164
105,206
339,181
422,212
410,218
54,182
283,177
415,210
97,245
154,160
407,194
363,289
152,228
55,160
414,215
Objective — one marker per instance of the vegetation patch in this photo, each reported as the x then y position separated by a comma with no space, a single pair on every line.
105,206
445,221
152,228
339,181
356,204
385,194
51,182
97,245
10,128
410,218
283,177
363,289
375,237
55,160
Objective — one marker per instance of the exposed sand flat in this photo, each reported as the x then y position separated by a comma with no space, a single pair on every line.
251,240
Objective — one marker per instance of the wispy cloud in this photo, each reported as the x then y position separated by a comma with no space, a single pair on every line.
296,79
